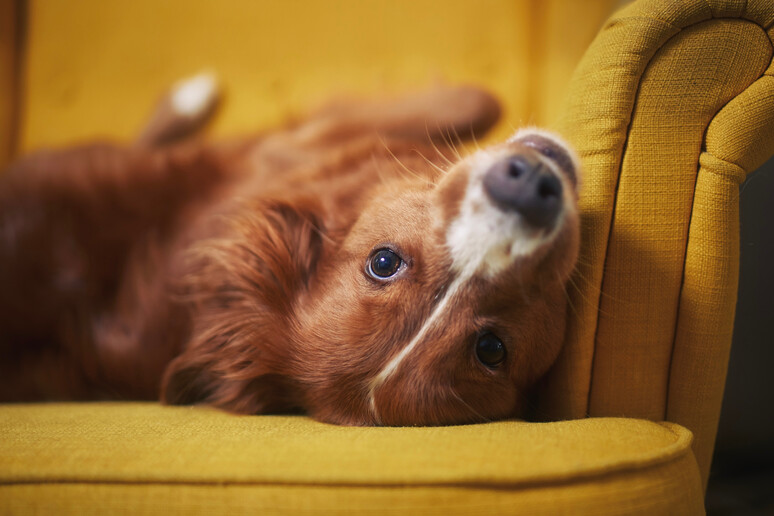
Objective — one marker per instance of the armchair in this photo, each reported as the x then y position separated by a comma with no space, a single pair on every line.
672,105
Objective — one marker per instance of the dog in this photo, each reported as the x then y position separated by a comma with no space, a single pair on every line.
353,266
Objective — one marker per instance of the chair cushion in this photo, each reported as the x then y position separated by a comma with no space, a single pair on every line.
143,458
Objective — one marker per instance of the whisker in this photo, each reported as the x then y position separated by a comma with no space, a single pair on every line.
586,299
408,170
320,232
432,142
513,129
584,260
591,285
453,145
569,299
480,416
448,141
459,139
473,137
439,169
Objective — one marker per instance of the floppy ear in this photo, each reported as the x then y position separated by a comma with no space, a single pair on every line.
239,287
186,381
189,381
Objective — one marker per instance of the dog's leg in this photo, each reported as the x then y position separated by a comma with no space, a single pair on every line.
107,195
438,114
182,112
440,117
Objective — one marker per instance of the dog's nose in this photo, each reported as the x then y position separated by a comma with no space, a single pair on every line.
523,184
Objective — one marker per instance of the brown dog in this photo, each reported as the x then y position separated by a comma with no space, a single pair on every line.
352,266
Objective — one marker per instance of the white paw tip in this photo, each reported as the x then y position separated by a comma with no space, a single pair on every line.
193,96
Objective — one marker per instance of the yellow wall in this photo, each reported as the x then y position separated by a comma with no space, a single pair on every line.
94,68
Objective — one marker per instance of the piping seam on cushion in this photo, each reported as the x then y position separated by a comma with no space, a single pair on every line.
671,452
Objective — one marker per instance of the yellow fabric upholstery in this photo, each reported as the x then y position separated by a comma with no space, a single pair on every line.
129,458
671,107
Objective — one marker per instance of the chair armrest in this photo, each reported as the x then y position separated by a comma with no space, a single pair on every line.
671,107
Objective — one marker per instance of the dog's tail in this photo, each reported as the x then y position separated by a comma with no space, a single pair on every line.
182,112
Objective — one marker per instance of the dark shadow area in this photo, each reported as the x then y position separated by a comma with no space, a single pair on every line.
742,477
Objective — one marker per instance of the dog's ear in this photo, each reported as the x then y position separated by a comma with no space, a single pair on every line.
189,380
240,288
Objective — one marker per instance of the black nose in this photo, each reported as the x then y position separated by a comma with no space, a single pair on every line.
523,184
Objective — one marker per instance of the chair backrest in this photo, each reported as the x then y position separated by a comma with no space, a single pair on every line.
88,68
670,108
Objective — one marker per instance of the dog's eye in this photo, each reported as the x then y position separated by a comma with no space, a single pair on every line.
490,350
383,264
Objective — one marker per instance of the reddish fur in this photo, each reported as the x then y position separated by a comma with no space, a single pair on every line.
233,274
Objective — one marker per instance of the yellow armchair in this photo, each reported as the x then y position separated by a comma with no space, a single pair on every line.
672,105
670,109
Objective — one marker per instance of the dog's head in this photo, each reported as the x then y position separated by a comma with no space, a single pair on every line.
441,303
